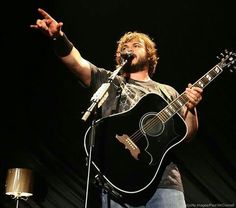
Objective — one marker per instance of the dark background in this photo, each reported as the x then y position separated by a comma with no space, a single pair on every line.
42,100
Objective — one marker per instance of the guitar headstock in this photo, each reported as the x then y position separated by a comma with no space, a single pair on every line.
227,60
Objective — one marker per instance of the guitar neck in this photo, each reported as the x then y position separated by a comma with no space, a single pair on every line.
172,108
208,77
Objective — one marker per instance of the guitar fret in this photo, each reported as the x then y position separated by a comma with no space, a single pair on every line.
208,77
176,106
180,101
217,69
185,98
171,108
213,75
168,111
199,84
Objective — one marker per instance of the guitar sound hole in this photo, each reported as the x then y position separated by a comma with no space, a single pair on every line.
151,125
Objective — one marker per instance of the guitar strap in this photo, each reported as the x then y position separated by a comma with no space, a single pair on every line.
162,88
165,93
118,96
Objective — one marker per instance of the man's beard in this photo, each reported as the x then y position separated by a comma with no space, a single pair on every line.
139,66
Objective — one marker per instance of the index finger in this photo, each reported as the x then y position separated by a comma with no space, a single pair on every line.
198,89
44,14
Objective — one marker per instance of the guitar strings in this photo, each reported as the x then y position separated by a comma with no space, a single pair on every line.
137,135
162,117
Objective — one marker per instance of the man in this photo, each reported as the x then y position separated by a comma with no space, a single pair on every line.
125,92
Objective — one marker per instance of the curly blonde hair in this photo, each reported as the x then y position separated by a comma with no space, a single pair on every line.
149,44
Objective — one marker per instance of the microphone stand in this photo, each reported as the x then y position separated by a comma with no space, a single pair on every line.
97,100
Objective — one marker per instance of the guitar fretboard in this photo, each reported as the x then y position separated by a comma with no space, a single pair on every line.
172,108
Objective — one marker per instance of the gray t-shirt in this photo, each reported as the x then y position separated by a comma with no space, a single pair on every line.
124,94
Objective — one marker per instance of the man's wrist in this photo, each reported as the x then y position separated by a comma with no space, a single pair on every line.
62,46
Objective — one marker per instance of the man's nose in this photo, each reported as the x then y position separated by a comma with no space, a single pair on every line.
129,50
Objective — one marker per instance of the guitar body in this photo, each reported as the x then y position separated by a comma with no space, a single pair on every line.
114,159
130,147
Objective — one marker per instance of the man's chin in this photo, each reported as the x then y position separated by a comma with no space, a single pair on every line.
135,69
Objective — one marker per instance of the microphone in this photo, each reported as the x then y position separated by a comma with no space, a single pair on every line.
127,55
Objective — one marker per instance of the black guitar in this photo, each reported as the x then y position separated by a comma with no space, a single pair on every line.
130,146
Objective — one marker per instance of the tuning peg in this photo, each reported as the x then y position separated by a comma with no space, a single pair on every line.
220,56
232,69
223,55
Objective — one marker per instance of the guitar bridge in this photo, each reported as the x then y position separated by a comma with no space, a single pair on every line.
130,145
